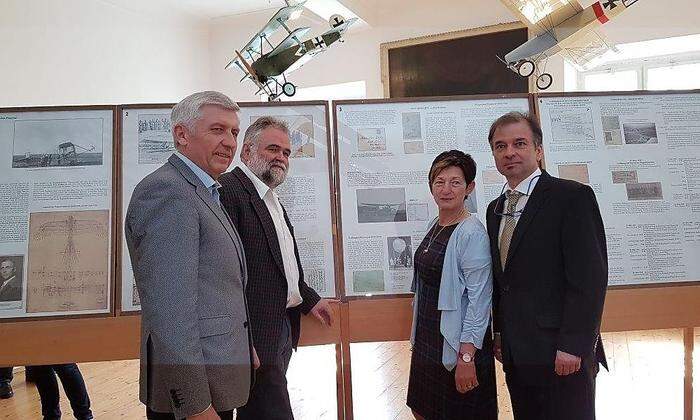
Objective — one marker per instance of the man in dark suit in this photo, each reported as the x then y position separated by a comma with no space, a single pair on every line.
277,293
550,275
10,283
189,266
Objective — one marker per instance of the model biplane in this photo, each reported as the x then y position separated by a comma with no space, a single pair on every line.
560,26
268,70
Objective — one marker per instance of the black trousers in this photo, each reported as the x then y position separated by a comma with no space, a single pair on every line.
269,398
73,385
153,415
5,374
570,397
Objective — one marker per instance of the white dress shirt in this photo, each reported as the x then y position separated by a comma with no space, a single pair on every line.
284,236
526,188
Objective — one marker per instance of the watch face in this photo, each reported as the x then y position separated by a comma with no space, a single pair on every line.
466,357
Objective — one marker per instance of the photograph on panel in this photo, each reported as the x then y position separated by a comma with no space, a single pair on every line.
377,205
371,139
155,139
413,147
611,130
57,142
417,211
575,172
644,191
624,177
301,134
368,281
11,281
68,261
400,253
410,121
640,133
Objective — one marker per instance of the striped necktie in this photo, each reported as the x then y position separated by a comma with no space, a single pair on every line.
509,225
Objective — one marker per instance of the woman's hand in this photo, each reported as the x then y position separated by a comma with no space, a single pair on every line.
465,374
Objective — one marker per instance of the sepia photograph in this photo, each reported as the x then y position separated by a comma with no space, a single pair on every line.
410,121
380,205
371,140
575,172
11,278
640,133
413,147
644,191
624,177
57,142
400,253
368,281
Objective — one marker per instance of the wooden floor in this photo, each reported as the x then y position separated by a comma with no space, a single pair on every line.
645,382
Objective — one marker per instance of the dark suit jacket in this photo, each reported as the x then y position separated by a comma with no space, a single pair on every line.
12,291
550,295
267,283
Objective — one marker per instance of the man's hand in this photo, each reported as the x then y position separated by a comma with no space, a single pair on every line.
566,364
497,347
256,360
208,414
323,312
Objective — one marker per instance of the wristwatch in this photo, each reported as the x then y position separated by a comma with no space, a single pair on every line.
466,357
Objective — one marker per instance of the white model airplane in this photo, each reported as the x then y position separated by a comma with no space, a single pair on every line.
560,26
268,70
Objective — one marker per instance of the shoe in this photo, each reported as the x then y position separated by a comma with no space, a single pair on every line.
6,390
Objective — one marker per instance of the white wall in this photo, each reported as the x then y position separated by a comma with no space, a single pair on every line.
92,52
358,57
390,20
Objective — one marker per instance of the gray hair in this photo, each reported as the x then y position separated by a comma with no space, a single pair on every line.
189,110
252,134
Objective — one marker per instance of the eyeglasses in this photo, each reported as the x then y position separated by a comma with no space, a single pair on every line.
503,197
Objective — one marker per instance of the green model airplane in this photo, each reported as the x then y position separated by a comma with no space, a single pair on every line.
268,70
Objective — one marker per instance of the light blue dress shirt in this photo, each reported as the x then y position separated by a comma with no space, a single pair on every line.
209,182
466,287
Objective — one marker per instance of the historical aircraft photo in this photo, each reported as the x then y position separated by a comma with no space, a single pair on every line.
560,26
269,70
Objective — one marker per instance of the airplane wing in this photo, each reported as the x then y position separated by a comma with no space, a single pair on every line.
275,22
542,15
586,51
291,40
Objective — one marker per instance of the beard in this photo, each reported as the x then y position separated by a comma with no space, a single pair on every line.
271,174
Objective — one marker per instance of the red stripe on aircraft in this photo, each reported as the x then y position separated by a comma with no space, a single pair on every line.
599,13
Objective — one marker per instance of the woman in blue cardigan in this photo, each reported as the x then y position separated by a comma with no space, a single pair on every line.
452,366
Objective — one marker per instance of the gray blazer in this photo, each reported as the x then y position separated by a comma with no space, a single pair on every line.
190,272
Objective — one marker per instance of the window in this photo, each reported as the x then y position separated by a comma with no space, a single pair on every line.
660,64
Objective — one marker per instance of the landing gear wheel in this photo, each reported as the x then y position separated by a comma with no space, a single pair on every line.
544,81
526,68
289,89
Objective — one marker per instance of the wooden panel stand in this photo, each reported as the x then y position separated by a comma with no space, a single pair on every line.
689,344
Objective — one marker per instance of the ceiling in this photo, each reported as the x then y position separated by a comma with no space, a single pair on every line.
211,9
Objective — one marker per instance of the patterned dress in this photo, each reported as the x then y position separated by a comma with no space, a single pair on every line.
431,388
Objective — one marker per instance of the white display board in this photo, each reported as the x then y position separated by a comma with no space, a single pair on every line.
305,194
55,211
385,150
641,155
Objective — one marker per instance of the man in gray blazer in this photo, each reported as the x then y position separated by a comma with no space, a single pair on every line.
189,266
